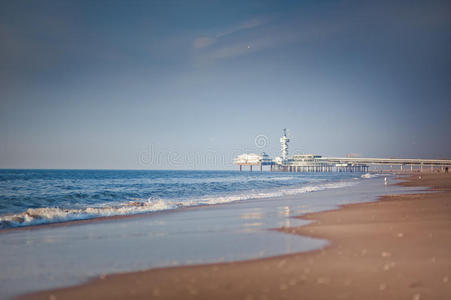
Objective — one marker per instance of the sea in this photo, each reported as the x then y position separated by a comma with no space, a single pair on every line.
33,197
64,227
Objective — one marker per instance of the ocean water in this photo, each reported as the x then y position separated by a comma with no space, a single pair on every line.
176,220
31,197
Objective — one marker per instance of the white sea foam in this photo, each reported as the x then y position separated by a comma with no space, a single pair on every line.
368,175
36,216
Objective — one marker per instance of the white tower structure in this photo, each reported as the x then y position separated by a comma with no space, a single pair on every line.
284,142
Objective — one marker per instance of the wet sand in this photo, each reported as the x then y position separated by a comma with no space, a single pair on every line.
396,248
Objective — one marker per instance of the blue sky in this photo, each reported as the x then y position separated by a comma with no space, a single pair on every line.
189,84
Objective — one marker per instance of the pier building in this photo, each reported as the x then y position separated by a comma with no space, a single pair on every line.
252,159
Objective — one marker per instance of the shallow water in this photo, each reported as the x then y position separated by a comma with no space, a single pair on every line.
52,257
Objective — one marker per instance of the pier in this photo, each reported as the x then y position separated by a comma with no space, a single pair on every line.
317,163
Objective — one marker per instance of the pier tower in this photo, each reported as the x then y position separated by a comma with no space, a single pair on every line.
284,142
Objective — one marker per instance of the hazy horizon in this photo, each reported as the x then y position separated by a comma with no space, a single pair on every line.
191,84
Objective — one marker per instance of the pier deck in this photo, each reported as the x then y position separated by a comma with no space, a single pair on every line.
306,163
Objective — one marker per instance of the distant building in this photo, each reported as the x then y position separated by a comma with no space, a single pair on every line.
252,159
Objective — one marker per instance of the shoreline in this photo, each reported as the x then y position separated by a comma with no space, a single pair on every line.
94,220
106,218
364,258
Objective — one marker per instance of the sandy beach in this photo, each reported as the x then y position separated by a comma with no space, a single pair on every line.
396,248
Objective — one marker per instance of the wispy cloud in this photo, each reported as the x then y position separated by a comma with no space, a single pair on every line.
263,33
229,44
202,42
256,22
207,41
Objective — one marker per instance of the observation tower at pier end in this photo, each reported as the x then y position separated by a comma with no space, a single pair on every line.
284,141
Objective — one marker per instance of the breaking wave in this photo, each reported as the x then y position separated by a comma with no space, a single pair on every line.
369,175
46,215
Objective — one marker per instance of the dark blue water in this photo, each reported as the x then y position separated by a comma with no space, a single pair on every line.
30,197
